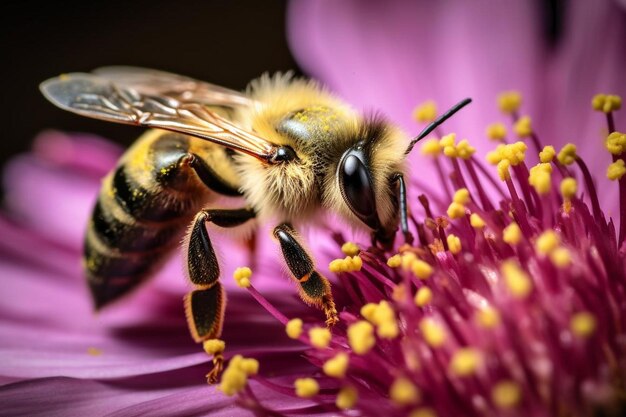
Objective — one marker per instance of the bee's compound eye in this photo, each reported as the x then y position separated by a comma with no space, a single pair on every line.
357,190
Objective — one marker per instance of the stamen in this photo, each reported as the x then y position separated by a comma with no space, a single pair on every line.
506,394
616,170
454,244
509,102
476,221
547,154
242,276
512,234
616,143
337,366
567,154
320,337
404,392
306,387
395,261
425,112
496,132
547,242
516,279
294,328
583,324
488,317
434,334
235,377
347,398
465,362
361,337
561,257
423,296
423,412
350,249
421,269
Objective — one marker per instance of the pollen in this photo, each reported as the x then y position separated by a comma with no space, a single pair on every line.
456,210
361,337
350,249
569,187
461,196
496,131
347,398
434,334
423,412
242,276
606,103
385,319
616,170
547,154
306,387
616,143
523,127
583,324
495,156
506,394
476,221
404,392
348,264
561,257
431,147
540,178
488,317
465,362
512,234
464,150
547,242
337,265
368,311
395,261
454,243
509,101
503,170
337,366
407,260
423,296
425,112
214,346
448,143
235,377
320,337
421,269
516,279
294,328
567,154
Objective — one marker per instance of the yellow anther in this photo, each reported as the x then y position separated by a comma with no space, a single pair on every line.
476,221
368,311
407,260
434,334
320,337
423,296
356,263
423,412
515,152
294,328
561,257
421,269
306,387
547,154
361,337
242,276
488,317
465,362
509,101
616,143
540,178
385,319
461,196
606,103
399,293
464,150
448,140
425,112
496,131
523,127
567,154
496,155
350,248
337,366
337,265
512,234
235,377
404,392
214,346
431,147
583,324
395,261
456,210
516,279
547,242
454,243
450,151
616,170
347,398
569,187
503,170
506,394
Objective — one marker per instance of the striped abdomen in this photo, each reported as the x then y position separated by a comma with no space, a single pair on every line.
144,206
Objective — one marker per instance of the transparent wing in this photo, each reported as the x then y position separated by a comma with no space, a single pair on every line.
181,88
93,96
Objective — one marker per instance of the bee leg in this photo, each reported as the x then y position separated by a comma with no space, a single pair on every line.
404,222
204,306
314,288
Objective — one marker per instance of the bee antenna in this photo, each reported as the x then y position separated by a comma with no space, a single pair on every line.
437,122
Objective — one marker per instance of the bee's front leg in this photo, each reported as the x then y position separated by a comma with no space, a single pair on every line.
404,216
204,306
314,288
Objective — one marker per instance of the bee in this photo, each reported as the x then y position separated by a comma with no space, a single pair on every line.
287,147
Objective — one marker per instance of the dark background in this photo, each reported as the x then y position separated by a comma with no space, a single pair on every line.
224,42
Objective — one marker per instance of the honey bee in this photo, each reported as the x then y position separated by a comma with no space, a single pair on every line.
287,147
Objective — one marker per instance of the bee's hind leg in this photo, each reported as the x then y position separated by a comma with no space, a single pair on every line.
204,306
314,288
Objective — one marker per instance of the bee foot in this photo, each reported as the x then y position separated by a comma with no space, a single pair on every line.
218,365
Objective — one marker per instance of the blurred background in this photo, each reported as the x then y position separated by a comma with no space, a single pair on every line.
224,42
